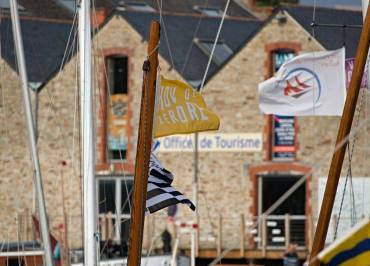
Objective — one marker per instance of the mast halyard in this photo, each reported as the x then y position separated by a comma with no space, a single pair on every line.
87,131
144,147
48,259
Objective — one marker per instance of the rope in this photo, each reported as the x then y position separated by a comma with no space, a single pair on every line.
214,46
349,173
192,42
161,21
121,160
313,24
51,105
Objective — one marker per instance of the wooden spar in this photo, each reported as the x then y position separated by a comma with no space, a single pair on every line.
343,132
144,145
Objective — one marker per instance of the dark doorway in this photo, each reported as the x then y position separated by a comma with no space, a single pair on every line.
271,188
274,186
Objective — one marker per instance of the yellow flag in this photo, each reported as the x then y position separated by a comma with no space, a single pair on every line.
351,250
180,109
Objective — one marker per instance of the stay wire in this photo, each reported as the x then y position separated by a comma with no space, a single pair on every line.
161,21
118,219
52,109
214,46
350,150
117,223
187,56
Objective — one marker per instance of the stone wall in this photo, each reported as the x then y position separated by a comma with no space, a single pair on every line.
225,185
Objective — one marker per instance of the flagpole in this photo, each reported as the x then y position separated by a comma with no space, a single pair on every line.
18,42
344,130
144,145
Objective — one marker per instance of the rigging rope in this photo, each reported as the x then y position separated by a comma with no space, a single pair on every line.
349,173
187,56
161,22
214,46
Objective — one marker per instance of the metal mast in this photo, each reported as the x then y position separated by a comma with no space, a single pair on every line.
87,131
48,259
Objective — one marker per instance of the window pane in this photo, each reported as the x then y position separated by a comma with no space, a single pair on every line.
120,75
117,155
280,57
107,191
117,74
222,51
125,207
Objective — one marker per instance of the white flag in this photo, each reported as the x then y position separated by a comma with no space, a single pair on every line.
308,84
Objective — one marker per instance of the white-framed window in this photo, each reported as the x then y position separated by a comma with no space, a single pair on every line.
114,196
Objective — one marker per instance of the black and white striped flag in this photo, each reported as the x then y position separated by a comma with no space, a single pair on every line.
160,192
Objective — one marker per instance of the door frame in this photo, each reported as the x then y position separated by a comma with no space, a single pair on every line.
290,168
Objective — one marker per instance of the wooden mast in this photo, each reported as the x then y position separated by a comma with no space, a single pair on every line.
144,145
343,132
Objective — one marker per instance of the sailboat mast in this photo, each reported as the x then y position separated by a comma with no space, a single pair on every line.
343,132
48,259
144,145
87,131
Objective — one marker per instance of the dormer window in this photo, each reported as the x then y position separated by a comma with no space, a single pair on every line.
209,11
139,7
222,51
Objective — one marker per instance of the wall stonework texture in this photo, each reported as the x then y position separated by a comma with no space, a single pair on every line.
225,187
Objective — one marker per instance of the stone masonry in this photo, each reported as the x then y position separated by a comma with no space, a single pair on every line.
225,185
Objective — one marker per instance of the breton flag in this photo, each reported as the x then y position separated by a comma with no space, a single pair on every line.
309,84
351,250
160,192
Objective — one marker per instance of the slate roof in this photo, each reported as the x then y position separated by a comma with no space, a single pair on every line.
181,32
43,9
44,44
187,6
45,39
330,37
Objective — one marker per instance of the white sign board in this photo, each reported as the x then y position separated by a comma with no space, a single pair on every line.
212,142
361,188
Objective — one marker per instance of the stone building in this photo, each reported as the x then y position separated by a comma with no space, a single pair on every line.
235,186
